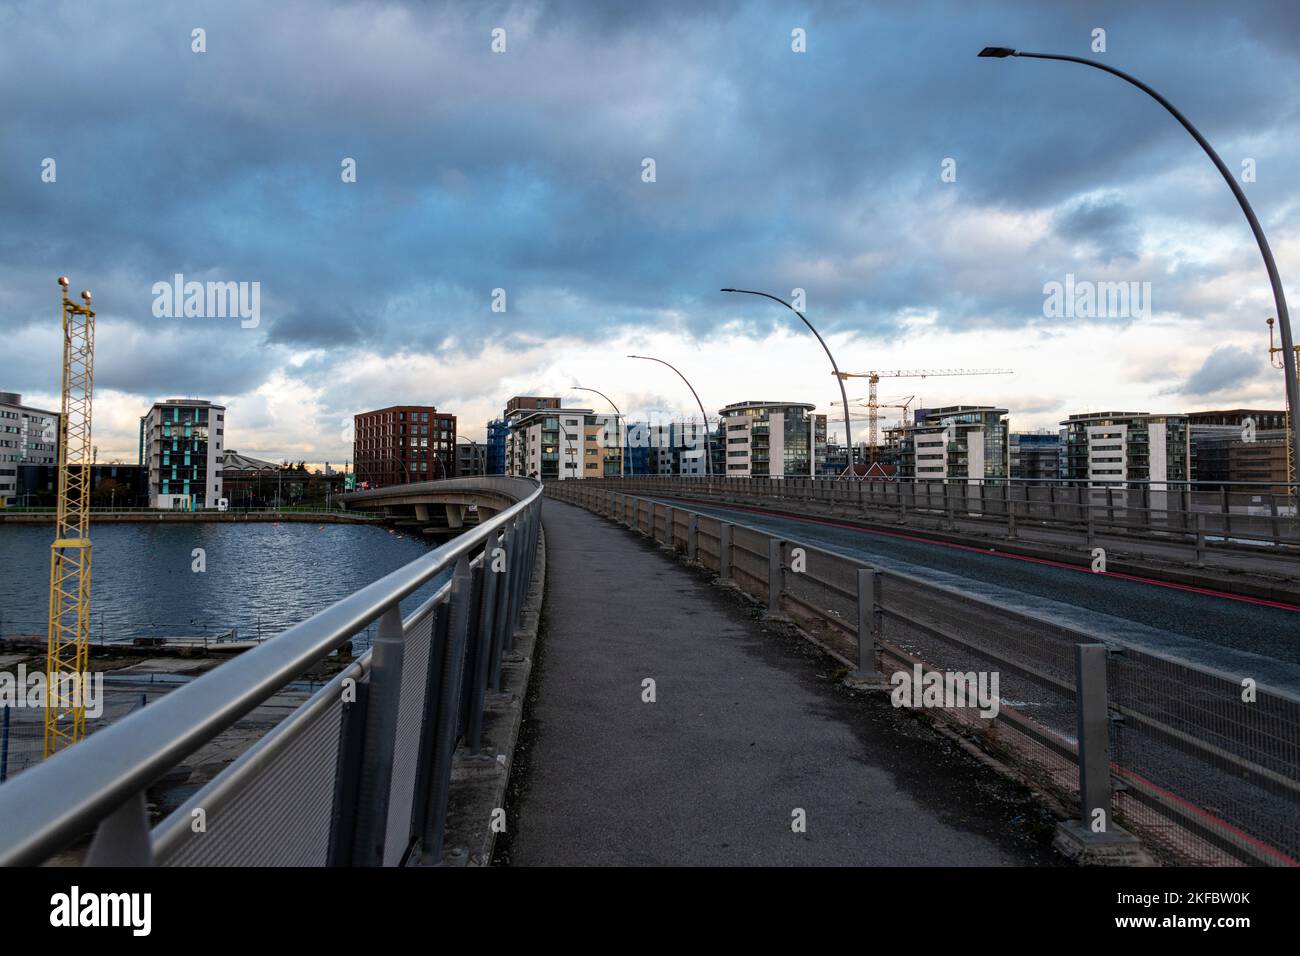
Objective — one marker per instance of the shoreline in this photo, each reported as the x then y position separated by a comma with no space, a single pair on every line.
189,517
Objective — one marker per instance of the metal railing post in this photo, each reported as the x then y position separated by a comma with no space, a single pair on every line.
1093,729
775,576
380,741
347,773
524,551
501,618
122,838
445,727
724,552
485,627
870,622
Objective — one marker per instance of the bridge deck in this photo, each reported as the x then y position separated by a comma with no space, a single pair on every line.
748,725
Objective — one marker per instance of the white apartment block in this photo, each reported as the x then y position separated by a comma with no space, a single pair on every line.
28,436
181,442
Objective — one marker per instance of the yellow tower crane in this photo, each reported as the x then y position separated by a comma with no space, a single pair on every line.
874,378
873,418
68,650
1275,359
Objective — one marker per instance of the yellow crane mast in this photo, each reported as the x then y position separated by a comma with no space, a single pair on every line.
874,378
66,660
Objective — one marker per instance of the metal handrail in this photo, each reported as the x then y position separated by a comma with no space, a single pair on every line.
48,806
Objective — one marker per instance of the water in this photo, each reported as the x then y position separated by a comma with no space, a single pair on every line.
260,577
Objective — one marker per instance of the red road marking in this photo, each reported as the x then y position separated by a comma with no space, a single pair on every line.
1244,598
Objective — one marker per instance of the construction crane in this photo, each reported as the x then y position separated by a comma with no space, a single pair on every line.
68,650
1275,359
902,405
874,378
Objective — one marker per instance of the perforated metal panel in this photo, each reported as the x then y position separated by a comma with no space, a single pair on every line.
280,815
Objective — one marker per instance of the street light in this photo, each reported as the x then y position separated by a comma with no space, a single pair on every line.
1279,297
618,418
848,433
406,470
708,448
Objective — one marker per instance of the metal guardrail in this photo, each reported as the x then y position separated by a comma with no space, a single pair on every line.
1178,754
359,774
1203,522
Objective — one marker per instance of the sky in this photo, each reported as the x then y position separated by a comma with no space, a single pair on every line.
924,201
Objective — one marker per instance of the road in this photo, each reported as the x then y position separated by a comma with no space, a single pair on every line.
1239,635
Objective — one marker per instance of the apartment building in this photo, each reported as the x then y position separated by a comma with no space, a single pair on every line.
1238,447
471,459
403,443
181,443
497,432
772,439
28,436
1115,447
1036,455
563,444
964,442
676,447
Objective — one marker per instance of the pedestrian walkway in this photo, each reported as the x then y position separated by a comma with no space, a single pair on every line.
749,732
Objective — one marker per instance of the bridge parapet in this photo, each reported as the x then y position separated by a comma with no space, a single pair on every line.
1242,529
359,774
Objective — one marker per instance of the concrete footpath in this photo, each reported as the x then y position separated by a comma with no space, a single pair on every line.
750,731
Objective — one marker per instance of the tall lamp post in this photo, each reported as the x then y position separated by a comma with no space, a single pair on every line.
1279,297
844,395
708,447
618,420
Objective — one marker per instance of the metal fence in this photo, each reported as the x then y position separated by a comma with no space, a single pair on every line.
359,774
1190,521
1202,771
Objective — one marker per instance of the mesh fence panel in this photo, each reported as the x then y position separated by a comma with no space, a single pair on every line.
1230,767
823,596
708,543
280,816
749,561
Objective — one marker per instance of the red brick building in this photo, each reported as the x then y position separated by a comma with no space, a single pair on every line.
403,443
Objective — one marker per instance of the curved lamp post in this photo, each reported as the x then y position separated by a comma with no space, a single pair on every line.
844,395
708,447
1279,297
399,461
618,418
